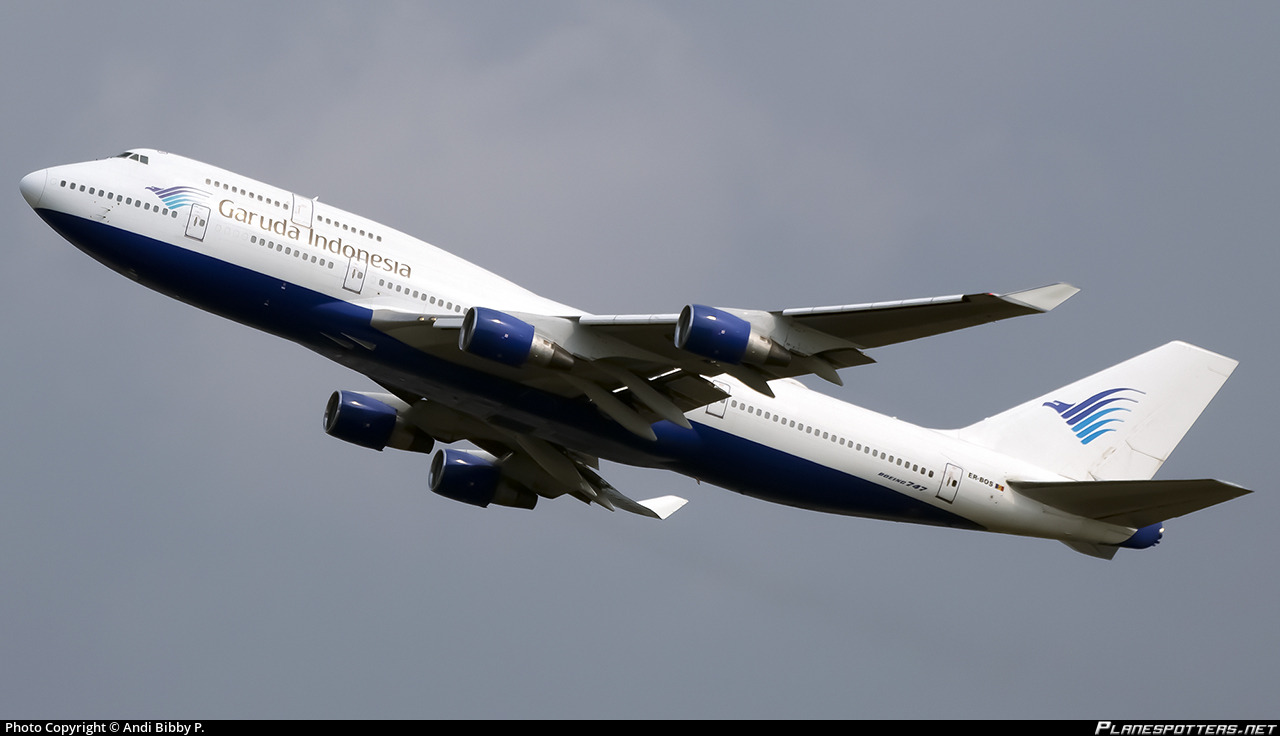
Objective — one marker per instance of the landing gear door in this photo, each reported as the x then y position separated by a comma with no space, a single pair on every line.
197,222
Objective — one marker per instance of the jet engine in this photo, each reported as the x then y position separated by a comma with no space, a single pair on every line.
373,421
475,478
727,338
498,336
1147,536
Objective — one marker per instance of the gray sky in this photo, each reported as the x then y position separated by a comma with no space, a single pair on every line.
178,538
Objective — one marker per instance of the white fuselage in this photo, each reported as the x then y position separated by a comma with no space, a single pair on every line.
313,273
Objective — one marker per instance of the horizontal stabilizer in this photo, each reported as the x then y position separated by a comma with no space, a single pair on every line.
1135,503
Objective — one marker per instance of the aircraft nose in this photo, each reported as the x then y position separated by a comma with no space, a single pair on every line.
32,186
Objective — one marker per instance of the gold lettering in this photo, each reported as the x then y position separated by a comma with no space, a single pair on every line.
287,229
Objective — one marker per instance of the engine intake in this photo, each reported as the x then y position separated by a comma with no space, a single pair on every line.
718,335
500,337
476,479
371,422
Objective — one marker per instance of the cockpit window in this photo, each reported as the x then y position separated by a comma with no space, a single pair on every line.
134,156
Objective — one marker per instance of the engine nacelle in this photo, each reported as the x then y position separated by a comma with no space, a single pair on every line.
371,422
727,338
475,478
498,336
1147,536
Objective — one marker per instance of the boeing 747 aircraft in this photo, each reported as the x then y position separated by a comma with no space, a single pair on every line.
543,391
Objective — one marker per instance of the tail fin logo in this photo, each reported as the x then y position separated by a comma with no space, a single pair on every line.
1098,414
175,197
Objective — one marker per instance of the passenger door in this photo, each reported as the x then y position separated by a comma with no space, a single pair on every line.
302,211
950,483
197,222
354,280
717,409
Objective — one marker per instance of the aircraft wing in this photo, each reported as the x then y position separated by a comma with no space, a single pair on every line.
532,464
638,369
821,340
886,323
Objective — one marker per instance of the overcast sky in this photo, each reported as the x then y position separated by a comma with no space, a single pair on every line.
178,538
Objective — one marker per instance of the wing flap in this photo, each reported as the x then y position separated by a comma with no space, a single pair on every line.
609,497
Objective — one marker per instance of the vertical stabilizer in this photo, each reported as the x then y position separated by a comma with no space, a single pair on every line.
1120,424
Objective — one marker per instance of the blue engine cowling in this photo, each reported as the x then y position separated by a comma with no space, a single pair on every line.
712,333
369,422
498,336
727,338
476,479
359,419
1147,536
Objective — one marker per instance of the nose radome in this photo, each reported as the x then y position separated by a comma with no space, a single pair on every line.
32,186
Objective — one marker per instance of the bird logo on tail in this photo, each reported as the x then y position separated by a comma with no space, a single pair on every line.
1098,414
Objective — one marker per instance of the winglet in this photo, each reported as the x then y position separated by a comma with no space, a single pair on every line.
1044,298
663,506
